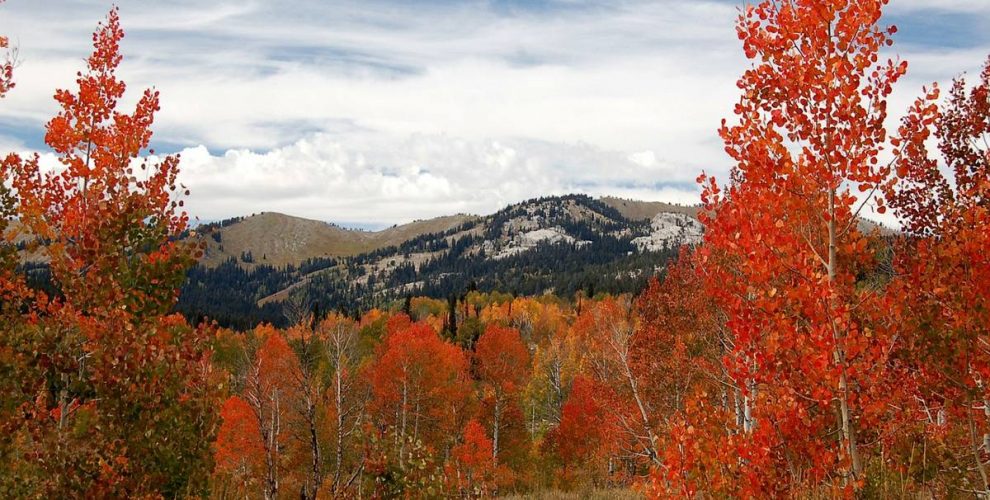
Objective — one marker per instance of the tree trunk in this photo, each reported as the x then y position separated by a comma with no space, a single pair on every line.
402,426
339,400
976,453
749,422
558,389
271,449
651,446
847,424
316,473
498,414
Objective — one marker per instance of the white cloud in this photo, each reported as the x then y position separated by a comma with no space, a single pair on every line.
382,111
963,6
413,177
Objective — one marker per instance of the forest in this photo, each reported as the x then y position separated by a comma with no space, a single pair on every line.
790,354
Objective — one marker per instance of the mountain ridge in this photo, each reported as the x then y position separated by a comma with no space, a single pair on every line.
279,239
260,265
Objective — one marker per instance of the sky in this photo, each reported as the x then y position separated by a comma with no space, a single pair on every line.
376,112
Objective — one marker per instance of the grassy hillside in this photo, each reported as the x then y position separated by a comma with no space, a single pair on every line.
277,239
641,210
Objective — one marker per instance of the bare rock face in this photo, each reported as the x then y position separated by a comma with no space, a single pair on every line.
670,230
549,235
530,239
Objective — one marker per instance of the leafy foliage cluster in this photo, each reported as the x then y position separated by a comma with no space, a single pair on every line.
103,390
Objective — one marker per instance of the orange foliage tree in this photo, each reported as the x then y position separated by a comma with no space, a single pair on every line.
347,395
12,288
503,366
607,330
271,390
679,342
114,395
784,252
239,450
472,471
586,436
678,350
420,389
941,297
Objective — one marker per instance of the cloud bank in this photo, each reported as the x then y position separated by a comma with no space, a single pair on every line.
381,111
377,179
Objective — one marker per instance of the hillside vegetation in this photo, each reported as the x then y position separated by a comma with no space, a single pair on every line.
545,245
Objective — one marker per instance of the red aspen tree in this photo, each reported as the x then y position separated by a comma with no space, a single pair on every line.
783,247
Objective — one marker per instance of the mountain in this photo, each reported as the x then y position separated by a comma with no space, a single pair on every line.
255,266
278,239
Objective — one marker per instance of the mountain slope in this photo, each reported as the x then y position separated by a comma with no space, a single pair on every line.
555,244
278,240
640,210
532,247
